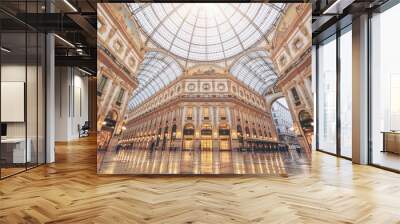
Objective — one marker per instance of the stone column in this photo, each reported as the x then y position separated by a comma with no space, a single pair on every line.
197,127
215,126
308,85
308,94
289,98
183,115
111,99
232,118
103,101
179,127
296,123
302,95
199,115
123,109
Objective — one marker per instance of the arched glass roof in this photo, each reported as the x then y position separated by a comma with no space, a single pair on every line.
155,72
206,31
255,69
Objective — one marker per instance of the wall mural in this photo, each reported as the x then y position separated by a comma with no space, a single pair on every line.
196,88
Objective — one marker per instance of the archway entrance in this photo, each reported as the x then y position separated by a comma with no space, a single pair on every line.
107,130
307,125
206,137
224,137
188,135
283,121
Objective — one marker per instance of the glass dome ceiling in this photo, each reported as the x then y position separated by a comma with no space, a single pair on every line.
206,31
155,72
256,70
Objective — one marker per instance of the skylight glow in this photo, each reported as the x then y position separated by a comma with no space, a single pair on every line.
206,31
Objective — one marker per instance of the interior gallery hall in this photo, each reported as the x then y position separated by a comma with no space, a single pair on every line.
201,99
199,112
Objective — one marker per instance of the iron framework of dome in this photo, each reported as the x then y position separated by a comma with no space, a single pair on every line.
255,69
206,31
155,72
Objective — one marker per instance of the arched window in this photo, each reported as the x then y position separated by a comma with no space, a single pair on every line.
189,113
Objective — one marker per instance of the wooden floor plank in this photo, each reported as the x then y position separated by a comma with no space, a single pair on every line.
332,190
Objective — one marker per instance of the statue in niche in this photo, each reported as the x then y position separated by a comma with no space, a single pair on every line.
199,71
211,71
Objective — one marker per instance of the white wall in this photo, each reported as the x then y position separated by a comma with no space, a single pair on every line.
61,103
71,103
80,109
12,73
33,126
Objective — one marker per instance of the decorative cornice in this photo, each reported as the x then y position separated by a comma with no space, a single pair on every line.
110,12
180,100
105,57
229,77
295,68
293,27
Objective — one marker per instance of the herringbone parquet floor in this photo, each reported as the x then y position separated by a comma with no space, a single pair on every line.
69,191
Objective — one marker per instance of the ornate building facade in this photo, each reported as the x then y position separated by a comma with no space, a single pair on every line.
119,55
275,62
291,53
206,108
